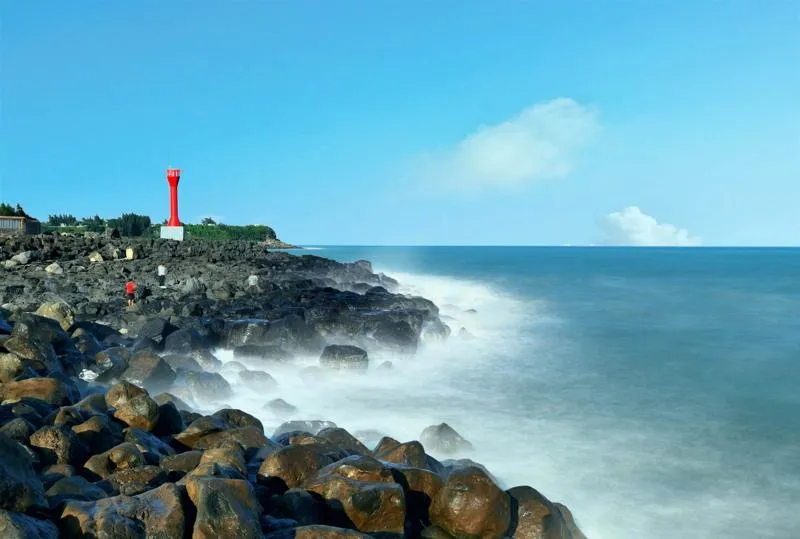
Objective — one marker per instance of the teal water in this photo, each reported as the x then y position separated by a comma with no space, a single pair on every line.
654,391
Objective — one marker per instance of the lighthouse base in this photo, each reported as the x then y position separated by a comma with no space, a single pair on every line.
172,233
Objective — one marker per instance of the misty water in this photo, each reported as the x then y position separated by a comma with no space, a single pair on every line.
653,391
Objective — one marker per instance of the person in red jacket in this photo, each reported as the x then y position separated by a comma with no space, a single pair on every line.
130,291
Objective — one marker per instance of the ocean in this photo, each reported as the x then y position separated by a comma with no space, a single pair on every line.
653,391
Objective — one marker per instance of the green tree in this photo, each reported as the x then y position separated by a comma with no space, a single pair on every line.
131,224
208,221
62,219
6,210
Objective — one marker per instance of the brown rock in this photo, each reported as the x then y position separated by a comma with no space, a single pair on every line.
147,369
179,465
409,454
317,531
225,508
293,465
343,439
471,505
122,457
156,513
57,445
372,507
134,481
133,406
50,390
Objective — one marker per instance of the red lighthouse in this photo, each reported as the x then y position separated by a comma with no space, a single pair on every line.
173,177
173,230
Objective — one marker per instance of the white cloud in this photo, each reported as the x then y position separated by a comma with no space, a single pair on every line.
633,227
538,143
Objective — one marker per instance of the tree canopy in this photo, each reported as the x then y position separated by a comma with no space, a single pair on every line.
6,210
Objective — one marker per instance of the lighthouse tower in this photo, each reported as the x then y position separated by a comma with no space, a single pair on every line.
173,229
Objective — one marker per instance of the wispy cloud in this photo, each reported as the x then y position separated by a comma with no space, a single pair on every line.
631,226
537,144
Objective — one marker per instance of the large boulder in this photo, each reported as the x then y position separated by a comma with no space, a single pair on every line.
225,508
292,466
19,526
20,488
342,356
133,406
109,365
58,311
49,390
470,504
149,370
57,445
156,513
444,439
99,432
122,457
207,386
375,507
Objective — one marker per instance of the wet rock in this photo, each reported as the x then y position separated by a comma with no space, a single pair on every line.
233,418
226,454
420,487
569,521
225,508
74,488
153,448
156,513
312,426
134,481
49,390
199,429
133,406
470,504
250,438
57,445
265,352
409,454
298,505
169,420
372,507
257,380
163,398
290,467
280,407
443,438
58,311
147,369
343,439
122,457
11,365
317,531
157,330
344,357
176,466
18,429
183,341
208,386
99,433
20,488
19,526
109,365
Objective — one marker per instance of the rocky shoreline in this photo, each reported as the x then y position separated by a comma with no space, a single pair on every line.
103,424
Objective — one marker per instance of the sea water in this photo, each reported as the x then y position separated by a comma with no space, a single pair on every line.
653,391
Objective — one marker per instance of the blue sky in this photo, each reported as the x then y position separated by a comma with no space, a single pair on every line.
436,122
